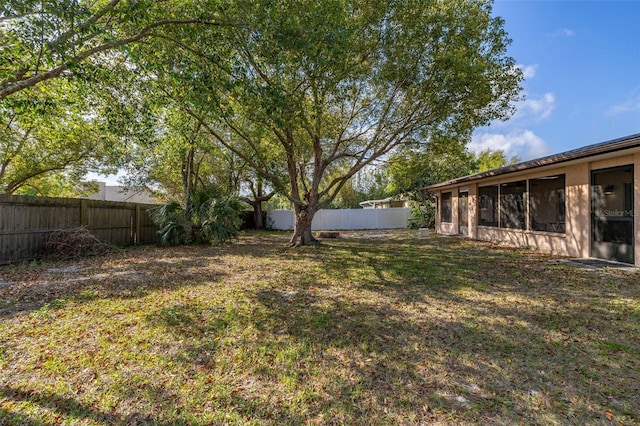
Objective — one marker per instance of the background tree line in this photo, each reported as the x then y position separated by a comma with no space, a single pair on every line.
315,103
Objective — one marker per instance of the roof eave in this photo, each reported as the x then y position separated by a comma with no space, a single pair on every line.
619,144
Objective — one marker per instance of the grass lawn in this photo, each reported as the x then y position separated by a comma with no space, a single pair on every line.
369,329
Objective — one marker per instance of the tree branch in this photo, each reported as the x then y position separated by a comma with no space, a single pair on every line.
212,132
9,87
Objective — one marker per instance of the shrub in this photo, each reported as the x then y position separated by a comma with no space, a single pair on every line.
422,215
205,219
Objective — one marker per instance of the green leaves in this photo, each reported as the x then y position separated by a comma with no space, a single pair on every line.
306,93
203,219
50,137
48,40
321,89
488,160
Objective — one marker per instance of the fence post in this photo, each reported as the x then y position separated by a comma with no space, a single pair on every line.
136,237
84,214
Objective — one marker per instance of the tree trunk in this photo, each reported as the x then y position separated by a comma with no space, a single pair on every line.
257,215
187,171
302,232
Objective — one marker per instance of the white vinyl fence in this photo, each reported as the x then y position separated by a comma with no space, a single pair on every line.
344,219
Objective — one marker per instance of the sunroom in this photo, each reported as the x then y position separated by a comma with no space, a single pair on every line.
581,203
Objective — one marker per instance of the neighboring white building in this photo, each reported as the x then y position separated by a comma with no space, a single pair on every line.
119,193
386,203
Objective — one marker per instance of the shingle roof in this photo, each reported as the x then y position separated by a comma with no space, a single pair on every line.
614,145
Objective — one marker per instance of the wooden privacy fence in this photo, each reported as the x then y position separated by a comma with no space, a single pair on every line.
27,222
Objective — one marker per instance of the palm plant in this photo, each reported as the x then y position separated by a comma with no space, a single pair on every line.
204,219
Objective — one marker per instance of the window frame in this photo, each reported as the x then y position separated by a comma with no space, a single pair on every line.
512,205
446,207
484,205
558,225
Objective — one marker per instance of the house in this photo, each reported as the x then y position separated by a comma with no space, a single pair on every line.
386,203
119,193
580,203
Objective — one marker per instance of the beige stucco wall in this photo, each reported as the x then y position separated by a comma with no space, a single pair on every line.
576,241
578,214
473,210
544,241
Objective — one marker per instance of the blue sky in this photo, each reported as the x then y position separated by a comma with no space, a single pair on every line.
581,60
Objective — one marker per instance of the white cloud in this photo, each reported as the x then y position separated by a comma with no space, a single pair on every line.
564,32
537,108
630,105
524,144
624,107
530,111
528,71
514,136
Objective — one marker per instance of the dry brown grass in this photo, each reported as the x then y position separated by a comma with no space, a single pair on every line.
370,328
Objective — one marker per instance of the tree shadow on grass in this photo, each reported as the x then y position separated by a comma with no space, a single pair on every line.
501,369
439,267
303,348
126,279
417,268
359,343
68,408
293,339
555,344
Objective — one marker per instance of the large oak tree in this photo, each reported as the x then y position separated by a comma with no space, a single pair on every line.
311,86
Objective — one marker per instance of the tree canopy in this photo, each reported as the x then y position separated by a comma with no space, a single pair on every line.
307,88
44,40
488,159
303,94
50,137
65,86
412,169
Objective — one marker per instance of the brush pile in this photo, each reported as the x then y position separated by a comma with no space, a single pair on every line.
74,243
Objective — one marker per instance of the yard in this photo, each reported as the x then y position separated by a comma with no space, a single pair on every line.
370,328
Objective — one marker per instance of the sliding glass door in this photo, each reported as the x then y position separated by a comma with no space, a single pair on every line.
612,233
